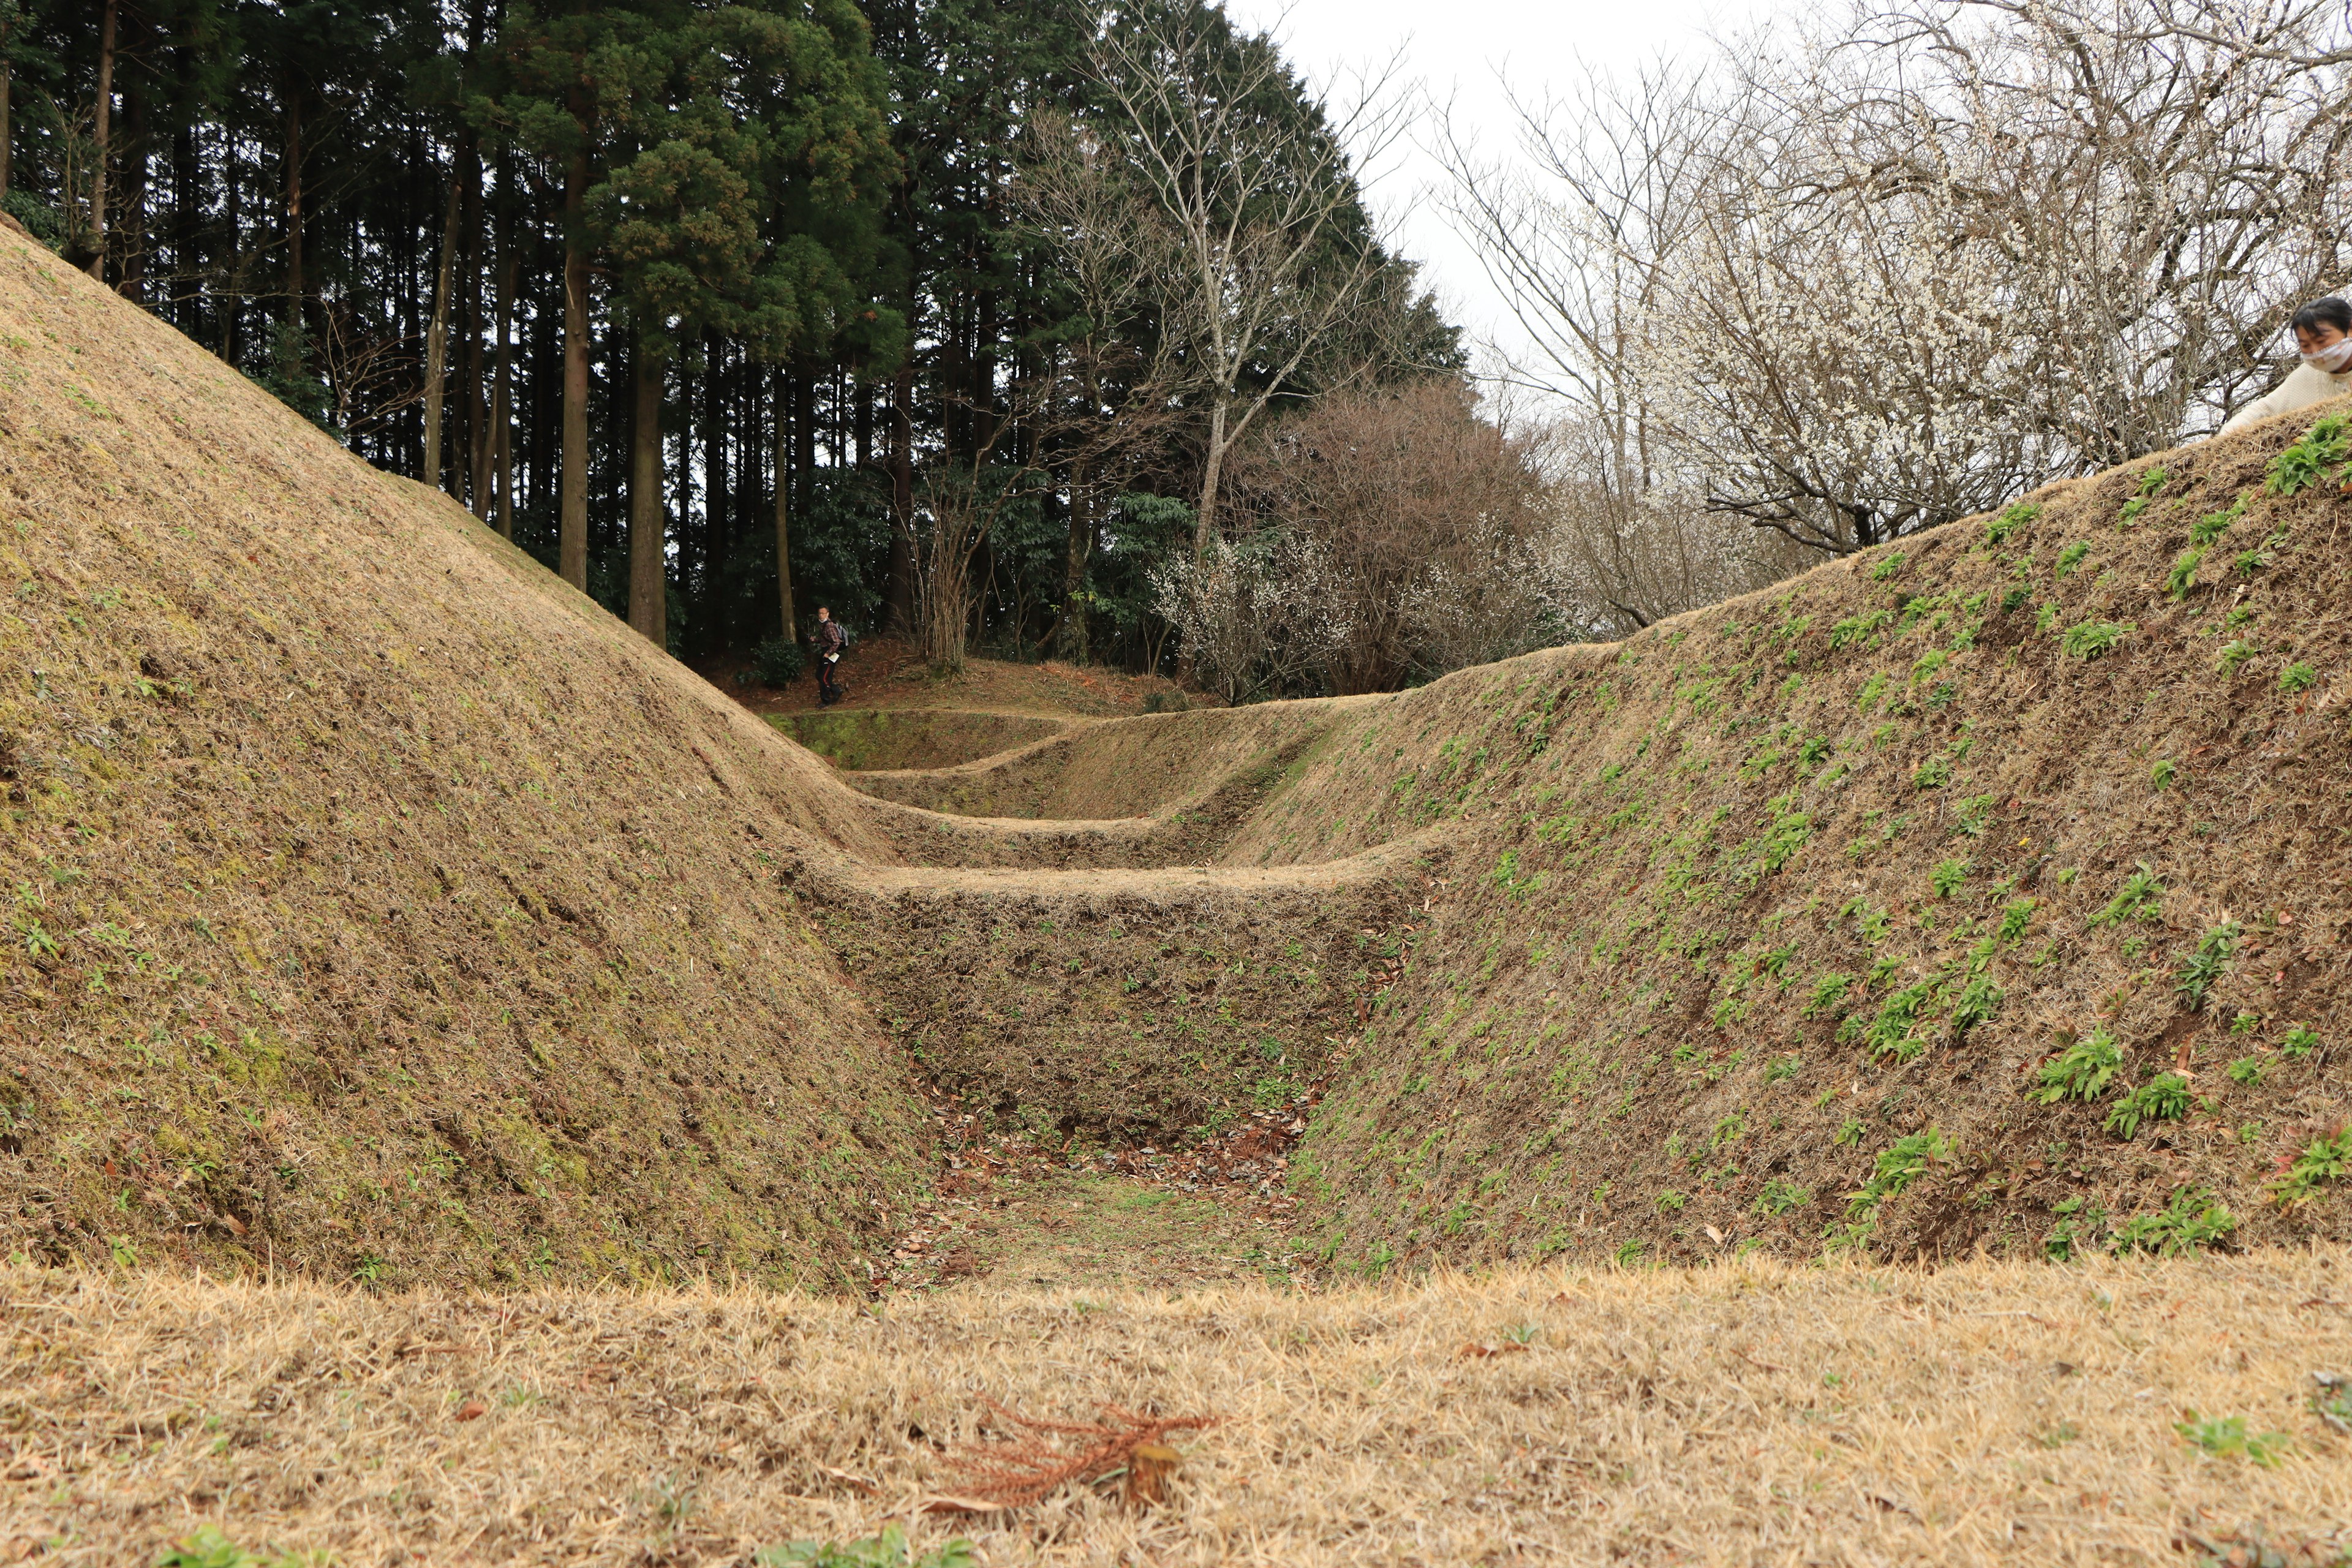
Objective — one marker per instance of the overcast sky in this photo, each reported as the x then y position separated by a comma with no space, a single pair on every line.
1464,51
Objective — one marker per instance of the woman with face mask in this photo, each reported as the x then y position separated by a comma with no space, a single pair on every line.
2322,335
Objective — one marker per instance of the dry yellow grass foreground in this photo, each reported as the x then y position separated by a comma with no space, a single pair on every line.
1748,1413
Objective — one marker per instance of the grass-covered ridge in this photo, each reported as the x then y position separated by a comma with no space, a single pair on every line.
1988,888
376,907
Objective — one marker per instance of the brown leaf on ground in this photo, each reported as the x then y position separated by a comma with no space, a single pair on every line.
1147,1473
1026,1468
850,1479
1479,1350
472,1410
947,1504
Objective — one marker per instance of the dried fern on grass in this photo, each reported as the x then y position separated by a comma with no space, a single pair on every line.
1032,1466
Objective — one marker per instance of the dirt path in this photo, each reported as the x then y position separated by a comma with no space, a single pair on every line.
1013,1208
887,672
1015,1213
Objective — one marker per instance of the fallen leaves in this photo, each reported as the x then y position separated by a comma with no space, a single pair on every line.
947,1504
1479,1350
1030,1465
851,1479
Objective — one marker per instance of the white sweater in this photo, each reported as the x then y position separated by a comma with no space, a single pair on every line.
2304,387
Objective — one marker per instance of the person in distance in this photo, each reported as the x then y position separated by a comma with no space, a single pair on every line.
2323,335
831,639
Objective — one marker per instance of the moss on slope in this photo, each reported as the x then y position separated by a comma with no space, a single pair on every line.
376,905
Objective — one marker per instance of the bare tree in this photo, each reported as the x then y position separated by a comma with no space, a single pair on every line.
1927,254
1428,516
1258,616
1616,559
1246,206
1104,381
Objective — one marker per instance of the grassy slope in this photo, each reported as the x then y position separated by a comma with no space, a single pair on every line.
376,903
1718,894
1746,1415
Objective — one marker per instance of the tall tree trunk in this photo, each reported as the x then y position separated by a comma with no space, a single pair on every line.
805,428
502,393
1205,527
899,597
648,579
572,546
717,483
233,308
134,181
783,523
477,399
188,313
106,20
469,167
436,341
297,286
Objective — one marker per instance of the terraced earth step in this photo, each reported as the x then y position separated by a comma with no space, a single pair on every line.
859,739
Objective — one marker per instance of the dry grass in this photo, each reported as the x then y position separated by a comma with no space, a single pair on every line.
376,903
1748,1413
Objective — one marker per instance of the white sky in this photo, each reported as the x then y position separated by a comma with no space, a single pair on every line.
1463,51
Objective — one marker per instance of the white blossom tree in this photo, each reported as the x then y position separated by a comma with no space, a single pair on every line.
1925,256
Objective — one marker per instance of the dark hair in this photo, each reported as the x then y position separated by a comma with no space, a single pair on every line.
2332,312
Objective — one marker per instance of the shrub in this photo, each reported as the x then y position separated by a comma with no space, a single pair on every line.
1429,549
2081,1071
42,221
2190,1220
2325,444
1900,1164
1979,1000
2214,524
2094,640
2227,1439
2140,897
2322,1160
2080,1222
1997,530
2208,963
1260,616
2161,1098
775,663
2183,575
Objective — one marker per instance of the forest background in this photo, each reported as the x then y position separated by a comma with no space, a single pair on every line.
1037,327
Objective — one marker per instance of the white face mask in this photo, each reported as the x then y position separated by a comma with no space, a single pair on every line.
2333,360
